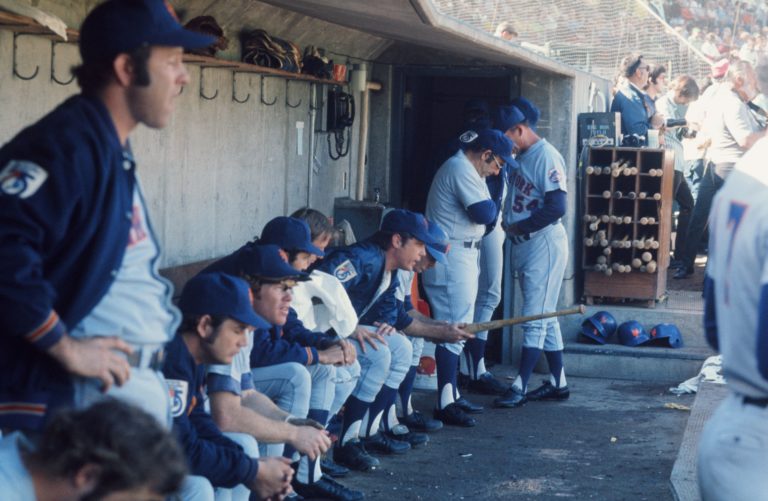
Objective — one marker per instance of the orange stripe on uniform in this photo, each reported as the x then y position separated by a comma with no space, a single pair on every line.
44,329
22,407
310,358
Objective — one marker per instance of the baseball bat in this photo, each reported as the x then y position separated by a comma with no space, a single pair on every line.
496,324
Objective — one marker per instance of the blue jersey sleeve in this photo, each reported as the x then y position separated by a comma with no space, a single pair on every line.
295,332
270,349
710,315
484,212
552,210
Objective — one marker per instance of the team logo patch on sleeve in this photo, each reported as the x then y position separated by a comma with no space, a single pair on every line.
554,176
22,178
178,391
345,271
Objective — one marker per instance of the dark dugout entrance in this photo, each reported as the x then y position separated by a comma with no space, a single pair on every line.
428,113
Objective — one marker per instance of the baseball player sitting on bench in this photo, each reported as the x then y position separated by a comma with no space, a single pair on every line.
217,316
412,419
366,270
110,450
273,368
532,212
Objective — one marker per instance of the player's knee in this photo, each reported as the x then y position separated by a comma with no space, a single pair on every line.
247,442
196,488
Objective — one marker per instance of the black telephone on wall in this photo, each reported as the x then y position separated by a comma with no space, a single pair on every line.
341,110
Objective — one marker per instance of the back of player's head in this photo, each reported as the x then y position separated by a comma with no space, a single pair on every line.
129,448
685,86
318,222
630,64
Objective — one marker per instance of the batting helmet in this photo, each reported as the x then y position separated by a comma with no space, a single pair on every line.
632,333
599,327
667,334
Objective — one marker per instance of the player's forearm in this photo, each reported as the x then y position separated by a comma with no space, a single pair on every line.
242,419
258,402
427,328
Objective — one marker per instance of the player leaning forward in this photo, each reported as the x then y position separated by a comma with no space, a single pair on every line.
539,252
459,201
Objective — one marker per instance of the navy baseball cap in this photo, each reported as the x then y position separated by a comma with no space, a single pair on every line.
220,294
530,111
265,263
439,246
118,26
401,220
491,139
290,234
507,117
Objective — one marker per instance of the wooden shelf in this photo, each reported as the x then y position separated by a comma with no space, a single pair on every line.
241,67
27,25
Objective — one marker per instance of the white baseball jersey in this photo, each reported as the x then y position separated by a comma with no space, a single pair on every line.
542,169
457,185
738,266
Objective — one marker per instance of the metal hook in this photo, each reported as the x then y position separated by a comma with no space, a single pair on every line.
262,94
287,103
53,66
234,91
15,64
202,88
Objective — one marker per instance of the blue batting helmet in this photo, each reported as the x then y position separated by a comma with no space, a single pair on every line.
667,334
632,333
599,327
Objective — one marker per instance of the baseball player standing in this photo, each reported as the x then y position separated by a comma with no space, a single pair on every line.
532,212
734,443
78,257
459,202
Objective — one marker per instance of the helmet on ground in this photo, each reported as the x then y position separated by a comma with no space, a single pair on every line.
632,333
667,335
599,327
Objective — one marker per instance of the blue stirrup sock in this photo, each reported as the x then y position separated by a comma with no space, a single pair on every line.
476,349
380,407
528,361
354,411
405,390
309,471
555,362
446,376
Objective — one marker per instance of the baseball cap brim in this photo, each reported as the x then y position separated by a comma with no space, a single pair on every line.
313,249
510,161
181,37
253,319
438,255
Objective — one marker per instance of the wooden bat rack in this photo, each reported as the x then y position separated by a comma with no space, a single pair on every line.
626,221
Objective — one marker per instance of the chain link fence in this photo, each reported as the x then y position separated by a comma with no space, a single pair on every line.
590,35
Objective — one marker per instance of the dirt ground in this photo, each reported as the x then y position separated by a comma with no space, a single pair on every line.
613,440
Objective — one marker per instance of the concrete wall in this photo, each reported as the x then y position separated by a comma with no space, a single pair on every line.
221,169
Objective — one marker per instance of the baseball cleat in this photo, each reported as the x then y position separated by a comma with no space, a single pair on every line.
547,391
454,415
486,384
402,433
511,399
354,456
327,488
468,406
417,421
385,444
332,469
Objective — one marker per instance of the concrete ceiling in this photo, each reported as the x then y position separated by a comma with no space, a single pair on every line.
418,22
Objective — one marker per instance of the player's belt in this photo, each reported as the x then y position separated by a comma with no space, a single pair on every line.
757,402
147,358
471,244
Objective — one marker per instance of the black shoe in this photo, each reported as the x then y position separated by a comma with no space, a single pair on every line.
462,380
468,406
417,421
676,263
354,456
403,434
385,445
332,469
454,415
327,488
511,399
547,391
486,384
683,272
